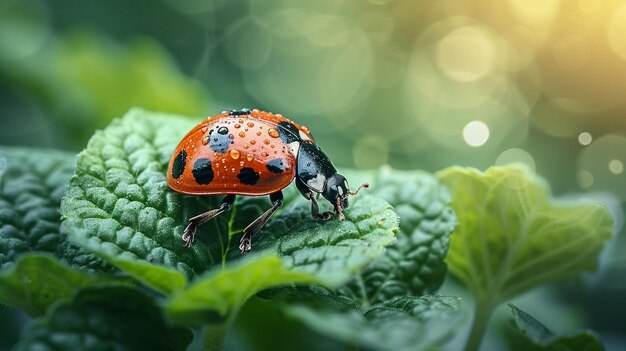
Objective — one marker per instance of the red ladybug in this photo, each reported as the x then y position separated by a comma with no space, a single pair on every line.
252,152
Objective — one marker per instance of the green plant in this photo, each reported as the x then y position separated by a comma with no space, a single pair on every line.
117,260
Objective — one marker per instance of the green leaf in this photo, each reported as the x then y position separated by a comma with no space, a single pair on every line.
511,237
544,339
407,323
118,205
105,318
221,293
415,265
36,281
32,182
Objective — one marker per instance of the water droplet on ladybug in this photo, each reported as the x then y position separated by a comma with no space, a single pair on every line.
223,130
250,124
234,154
272,146
242,134
273,132
246,146
258,133
266,142
204,129
223,160
252,141
230,136
250,157
232,169
240,120
205,140
241,163
264,154
237,125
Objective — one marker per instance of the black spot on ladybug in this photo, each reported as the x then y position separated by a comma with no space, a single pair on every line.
276,165
288,132
202,171
243,111
248,176
179,164
219,142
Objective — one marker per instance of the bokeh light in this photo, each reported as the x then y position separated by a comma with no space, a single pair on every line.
476,133
585,138
515,155
603,160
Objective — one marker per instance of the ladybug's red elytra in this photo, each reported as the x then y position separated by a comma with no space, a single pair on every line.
254,153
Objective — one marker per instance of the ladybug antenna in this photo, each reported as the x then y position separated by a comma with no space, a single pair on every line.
364,185
338,208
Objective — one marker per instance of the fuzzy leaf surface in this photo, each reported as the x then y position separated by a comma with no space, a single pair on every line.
415,264
512,236
32,183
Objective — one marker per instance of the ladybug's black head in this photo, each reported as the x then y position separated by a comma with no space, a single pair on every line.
336,190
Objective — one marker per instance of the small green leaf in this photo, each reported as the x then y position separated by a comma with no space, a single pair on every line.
32,182
544,339
408,323
511,237
36,281
221,293
415,264
118,205
105,318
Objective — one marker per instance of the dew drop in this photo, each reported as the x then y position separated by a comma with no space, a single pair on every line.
205,140
222,130
240,120
242,134
204,129
223,160
272,146
237,125
273,132
250,124
234,154
252,141
266,142
249,157
264,154
241,163
258,133
246,146
232,169
230,136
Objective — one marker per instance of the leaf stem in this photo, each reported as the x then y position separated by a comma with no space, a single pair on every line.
482,315
214,336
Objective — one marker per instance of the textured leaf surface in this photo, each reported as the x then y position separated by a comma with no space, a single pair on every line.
222,292
36,281
415,264
119,205
105,318
408,323
511,237
32,183
545,339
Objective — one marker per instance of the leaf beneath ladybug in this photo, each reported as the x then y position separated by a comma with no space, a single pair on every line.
119,206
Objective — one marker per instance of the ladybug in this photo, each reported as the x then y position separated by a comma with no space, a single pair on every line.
253,153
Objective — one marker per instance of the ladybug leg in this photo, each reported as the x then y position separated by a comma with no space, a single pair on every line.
245,244
315,209
189,234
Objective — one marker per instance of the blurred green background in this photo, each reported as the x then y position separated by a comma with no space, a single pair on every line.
411,84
